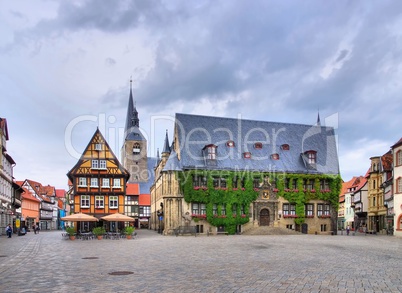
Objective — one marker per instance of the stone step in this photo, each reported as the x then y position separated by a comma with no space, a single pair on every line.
267,230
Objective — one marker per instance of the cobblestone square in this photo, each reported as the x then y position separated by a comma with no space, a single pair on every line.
281,263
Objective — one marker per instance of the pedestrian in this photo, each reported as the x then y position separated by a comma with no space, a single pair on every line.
9,231
34,228
347,230
37,228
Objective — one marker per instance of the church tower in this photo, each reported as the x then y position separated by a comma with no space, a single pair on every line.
134,150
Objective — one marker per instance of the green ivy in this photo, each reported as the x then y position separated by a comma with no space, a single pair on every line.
230,196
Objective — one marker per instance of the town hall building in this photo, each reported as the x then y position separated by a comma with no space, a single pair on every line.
232,175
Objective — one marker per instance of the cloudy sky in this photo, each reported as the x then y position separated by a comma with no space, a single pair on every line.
66,69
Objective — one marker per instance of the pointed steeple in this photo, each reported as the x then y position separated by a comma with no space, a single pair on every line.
158,158
166,147
132,114
318,119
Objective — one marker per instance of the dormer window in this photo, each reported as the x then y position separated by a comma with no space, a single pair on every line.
285,147
275,156
230,143
136,149
258,145
247,155
210,152
311,157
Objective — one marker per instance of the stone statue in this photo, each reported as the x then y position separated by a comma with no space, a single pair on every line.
187,219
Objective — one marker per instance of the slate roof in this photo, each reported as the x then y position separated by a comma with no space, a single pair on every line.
145,187
166,147
173,163
194,132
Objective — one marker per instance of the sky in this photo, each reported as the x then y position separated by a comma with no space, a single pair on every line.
66,66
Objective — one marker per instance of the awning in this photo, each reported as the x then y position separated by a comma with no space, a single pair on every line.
350,220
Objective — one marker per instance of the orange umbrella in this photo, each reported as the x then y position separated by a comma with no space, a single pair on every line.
80,217
117,218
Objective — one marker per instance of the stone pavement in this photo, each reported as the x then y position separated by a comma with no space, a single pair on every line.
240,263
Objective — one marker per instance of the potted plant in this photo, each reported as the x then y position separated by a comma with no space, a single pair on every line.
98,232
71,232
129,230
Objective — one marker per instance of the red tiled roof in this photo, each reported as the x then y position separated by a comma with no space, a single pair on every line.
133,189
60,193
49,190
144,200
386,161
28,195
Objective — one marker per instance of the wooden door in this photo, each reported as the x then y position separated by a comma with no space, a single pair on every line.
264,217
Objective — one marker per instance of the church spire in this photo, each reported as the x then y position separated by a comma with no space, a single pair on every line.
166,147
132,114
318,118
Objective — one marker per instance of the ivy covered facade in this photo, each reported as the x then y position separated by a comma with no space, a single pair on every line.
229,175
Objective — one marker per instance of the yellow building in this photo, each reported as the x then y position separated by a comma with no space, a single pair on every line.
376,209
99,180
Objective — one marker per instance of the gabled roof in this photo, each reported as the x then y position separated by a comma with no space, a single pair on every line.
27,195
194,132
96,138
49,190
356,183
40,190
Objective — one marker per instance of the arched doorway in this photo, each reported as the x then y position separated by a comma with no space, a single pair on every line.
264,217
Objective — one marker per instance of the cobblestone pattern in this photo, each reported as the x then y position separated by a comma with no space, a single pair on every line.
282,263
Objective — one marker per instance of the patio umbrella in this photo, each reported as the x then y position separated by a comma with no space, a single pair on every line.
117,218
80,217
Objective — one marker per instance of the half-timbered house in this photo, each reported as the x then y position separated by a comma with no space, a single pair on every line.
99,180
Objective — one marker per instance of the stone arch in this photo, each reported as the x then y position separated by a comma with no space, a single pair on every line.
265,216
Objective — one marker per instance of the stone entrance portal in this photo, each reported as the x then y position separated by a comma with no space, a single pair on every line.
264,217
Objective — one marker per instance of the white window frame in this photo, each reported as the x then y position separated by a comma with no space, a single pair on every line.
94,182
116,183
211,152
106,182
85,201
98,147
82,181
95,164
113,202
102,164
99,201
312,157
